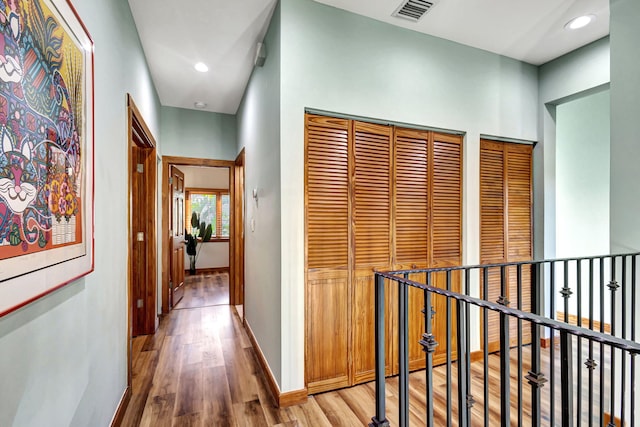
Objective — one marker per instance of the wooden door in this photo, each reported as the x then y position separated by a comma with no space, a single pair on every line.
412,226
372,244
445,230
176,289
327,329
506,227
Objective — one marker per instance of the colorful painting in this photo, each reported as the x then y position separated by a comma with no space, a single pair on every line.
46,149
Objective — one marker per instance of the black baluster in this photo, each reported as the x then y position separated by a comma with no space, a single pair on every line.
403,350
485,337
566,380
463,414
380,419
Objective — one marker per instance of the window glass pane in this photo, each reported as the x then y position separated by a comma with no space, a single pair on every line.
205,206
225,215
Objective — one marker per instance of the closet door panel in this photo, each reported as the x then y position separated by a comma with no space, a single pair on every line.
372,242
519,219
446,230
412,225
446,200
492,229
327,242
505,224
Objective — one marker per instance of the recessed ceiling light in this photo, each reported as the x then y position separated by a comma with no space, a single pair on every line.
202,67
579,22
200,104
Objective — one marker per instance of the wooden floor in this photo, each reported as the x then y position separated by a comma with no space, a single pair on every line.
199,369
203,290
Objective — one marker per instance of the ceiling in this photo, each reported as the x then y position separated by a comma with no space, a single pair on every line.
223,34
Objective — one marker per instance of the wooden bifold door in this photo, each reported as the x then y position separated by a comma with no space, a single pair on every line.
377,197
505,227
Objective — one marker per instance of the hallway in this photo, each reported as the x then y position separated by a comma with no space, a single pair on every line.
199,369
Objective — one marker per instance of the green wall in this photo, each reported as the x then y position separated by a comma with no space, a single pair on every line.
625,126
337,61
200,134
259,134
582,176
578,73
63,359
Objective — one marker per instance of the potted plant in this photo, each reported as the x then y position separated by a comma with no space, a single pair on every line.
199,232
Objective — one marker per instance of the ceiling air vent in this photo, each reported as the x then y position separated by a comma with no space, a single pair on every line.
413,10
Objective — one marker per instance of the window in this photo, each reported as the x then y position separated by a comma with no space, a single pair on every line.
213,206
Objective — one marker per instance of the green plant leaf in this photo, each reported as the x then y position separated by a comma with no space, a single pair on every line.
207,233
195,221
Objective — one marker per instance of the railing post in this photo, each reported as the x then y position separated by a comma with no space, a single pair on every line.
535,377
505,362
463,403
429,345
403,350
566,379
505,375
380,419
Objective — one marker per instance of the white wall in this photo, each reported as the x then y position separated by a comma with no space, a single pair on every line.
63,359
205,177
337,61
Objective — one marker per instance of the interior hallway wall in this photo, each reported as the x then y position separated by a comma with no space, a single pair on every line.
63,359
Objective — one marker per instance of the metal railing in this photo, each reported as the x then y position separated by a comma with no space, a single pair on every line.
597,351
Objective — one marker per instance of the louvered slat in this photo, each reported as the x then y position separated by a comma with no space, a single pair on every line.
327,193
411,197
446,200
372,195
492,189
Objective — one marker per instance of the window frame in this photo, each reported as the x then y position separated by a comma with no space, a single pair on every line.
218,193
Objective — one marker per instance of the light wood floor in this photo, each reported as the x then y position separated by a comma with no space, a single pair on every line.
199,369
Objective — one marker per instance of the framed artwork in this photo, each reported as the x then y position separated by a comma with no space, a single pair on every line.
46,149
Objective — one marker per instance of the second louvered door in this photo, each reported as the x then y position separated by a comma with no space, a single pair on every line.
505,224
372,243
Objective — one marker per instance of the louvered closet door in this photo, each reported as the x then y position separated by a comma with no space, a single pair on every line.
492,227
505,224
327,234
372,239
446,231
412,225
519,230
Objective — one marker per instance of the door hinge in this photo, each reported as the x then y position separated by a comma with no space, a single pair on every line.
140,236
140,303
140,168
170,180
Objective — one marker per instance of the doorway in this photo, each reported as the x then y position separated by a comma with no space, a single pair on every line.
219,195
239,214
142,282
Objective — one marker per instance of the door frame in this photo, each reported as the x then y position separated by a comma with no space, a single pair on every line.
139,135
166,206
238,237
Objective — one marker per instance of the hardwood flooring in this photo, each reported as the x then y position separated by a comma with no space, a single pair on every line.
204,290
199,369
